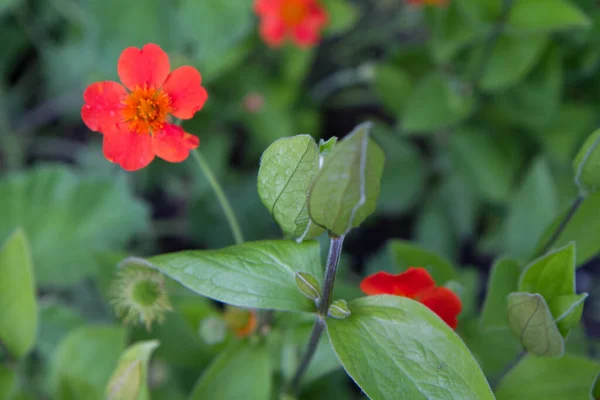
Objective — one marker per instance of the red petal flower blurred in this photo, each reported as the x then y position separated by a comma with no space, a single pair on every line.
417,284
427,2
134,118
301,20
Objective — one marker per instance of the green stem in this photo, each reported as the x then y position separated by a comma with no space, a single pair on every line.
563,224
229,214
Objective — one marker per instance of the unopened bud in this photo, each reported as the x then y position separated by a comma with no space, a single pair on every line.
308,285
253,102
241,321
339,309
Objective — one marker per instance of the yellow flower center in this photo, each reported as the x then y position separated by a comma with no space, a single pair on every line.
146,109
293,12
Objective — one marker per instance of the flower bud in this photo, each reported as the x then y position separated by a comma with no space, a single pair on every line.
241,321
308,285
339,309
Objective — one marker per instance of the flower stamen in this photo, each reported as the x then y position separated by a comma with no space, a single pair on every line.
146,109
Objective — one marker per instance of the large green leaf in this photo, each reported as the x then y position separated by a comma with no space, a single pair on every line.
255,274
129,381
504,279
396,348
18,319
67,218
531,321
286,171
345,190
243,371
587,164
569,377
436,102
533,207
546,16
85,360
407,254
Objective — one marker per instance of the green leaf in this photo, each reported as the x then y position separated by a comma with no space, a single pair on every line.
18,319
504,279
286,171
567,311
583,229
512,59
546,16
393,87
595,392
344,192
56,321
85,360
78,214
531,321
461,199
243,371
452,31
551,275
437,102
254,274
396,348
534,378
407,254
129,381
533,207
587,164
434,228
8,382
343,14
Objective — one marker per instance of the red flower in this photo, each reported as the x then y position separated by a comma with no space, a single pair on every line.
417,284
427,2
135,119
302,20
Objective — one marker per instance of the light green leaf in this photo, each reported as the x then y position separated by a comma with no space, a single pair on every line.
18,319
546,16
396,348
567,311
533,207
587,164
344,192
343,14
56,321
534,378
531,321
129,381
583,229
407,254
85,360
393,87
504,279
78,214
8,382
436,102
286,171
551,275
254,274
512,59
242,371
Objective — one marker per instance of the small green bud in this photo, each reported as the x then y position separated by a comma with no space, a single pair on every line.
325,147
587,165
339,309
212,330
308,285
138,294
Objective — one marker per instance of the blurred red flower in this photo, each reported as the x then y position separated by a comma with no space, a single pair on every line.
417,284
134,118
429,2
301,20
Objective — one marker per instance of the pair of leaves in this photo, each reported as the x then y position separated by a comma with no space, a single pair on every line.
302,187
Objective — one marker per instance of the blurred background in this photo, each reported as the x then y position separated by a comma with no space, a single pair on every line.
479,105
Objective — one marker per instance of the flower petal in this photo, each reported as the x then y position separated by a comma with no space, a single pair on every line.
148,66
173,144
306,35
272,30
445,303
263,7
102,105
185,92
131,150
409,283
379,283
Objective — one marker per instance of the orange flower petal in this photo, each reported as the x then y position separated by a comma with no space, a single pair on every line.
102,105
173,144
272,30
148,66
409,283
306,35
187,96
445,303
131,150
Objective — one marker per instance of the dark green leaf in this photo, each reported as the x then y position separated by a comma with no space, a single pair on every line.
243,371
255,274
396,348
407,254
452,32
531,321
587,164
18,319
546,16
393,87
504,279
343,14
8,382
534,378
344,192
